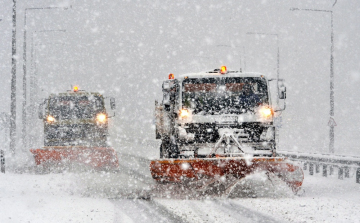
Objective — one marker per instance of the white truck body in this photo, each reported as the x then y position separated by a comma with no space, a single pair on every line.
212,104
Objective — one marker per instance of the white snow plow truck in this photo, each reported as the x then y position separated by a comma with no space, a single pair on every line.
218,124
76,131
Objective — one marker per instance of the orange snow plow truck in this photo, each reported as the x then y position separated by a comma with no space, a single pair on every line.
217,127
76,131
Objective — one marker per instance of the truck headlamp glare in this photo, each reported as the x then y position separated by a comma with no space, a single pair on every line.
184,113
101,118
266,112
50,119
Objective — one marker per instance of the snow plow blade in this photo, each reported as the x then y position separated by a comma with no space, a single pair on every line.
185,170
95,157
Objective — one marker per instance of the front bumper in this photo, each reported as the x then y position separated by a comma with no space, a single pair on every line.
75,134
194,133
202,138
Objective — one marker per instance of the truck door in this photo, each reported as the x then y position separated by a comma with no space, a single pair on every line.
166,115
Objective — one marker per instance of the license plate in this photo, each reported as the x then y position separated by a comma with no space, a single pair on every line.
228,119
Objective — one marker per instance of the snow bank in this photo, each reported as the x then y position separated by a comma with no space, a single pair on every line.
48,198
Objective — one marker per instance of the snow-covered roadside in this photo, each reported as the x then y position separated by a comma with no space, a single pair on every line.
48,198
82,197
325,200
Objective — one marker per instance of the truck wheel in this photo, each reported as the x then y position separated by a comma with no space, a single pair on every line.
164,153
174,151
168,150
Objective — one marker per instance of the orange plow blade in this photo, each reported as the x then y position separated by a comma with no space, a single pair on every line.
95,157
184,170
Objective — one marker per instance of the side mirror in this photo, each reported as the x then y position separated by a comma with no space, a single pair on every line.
166,99
168,85
281,89
168,88
282,93
112,104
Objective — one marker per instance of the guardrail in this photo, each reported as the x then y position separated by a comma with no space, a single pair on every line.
2,161
5,126
347,166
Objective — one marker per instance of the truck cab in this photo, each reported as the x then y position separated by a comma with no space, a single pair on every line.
199,108
75,118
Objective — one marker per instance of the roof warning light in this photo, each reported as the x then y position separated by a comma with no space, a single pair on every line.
76,88
223,70
171,76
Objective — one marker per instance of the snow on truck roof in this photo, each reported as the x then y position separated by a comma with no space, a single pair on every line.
217,73
75,92
78,93
230,74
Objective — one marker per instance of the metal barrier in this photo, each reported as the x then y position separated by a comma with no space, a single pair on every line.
5,127
345,165
2,161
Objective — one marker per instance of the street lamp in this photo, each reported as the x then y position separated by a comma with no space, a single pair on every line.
331,122
3,120
13,82
24,70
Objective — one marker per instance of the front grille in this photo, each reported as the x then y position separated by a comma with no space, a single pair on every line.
208,132
73,134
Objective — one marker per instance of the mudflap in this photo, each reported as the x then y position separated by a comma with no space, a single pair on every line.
224,172
96,157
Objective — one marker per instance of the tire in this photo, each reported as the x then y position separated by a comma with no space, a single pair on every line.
168,150
174,151
164,153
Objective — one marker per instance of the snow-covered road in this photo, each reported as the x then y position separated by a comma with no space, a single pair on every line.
132,196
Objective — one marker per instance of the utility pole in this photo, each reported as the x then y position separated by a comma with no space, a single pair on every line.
24,102
13,83
2,153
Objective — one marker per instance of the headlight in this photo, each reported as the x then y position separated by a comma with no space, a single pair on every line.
266,112
101,118
184,114
50,119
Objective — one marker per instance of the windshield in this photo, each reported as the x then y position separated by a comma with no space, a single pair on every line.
75,107
229,95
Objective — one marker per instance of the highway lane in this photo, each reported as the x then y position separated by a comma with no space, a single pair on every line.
171,203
